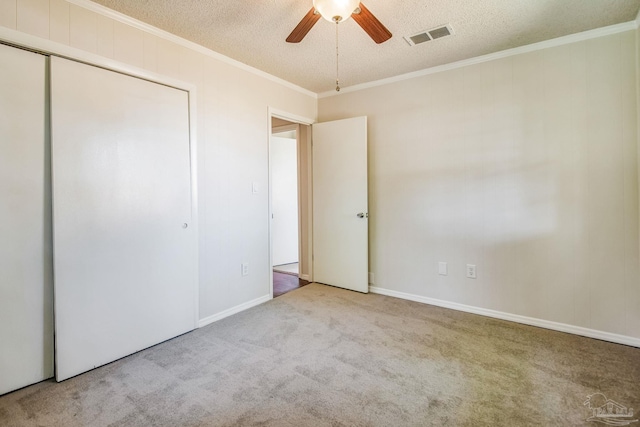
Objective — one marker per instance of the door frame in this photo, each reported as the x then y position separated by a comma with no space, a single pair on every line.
51,48
296,120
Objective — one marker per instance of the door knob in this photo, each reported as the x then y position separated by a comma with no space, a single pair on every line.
185,225
362,215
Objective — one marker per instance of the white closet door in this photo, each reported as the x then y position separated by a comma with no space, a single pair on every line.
125,248
26,301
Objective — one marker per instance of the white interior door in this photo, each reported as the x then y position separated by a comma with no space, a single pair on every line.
340,208
284,199
125,250
26,289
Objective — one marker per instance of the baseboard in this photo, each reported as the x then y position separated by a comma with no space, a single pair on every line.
532,321
288,273
305,277
233,310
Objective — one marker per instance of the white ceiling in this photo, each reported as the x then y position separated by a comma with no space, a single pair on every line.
254,32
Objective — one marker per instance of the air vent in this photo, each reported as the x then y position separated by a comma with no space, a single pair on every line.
428,35
420,38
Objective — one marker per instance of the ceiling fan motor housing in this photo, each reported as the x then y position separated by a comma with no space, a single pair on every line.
336,10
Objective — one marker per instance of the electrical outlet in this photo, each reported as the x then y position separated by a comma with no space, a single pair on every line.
245,269
471,271
372,278
442,268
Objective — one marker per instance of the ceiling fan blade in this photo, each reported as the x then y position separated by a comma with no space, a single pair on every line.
303,27
371,25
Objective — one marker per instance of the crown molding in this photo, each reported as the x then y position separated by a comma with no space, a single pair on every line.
572,38
120,17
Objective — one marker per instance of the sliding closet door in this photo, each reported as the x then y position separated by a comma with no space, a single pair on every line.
26,301
125,248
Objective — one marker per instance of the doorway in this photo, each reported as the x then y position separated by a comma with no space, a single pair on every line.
288,205
333,225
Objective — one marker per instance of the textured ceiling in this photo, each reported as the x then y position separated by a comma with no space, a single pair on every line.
254,32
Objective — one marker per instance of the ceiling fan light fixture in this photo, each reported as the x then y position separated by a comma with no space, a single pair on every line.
336,10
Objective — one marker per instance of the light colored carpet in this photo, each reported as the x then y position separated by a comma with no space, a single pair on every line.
321,356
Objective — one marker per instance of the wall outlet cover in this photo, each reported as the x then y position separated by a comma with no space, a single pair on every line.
471,271
442,268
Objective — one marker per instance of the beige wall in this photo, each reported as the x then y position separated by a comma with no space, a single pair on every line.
526,166
232,133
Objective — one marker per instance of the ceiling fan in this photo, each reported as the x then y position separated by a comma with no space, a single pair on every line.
338,11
